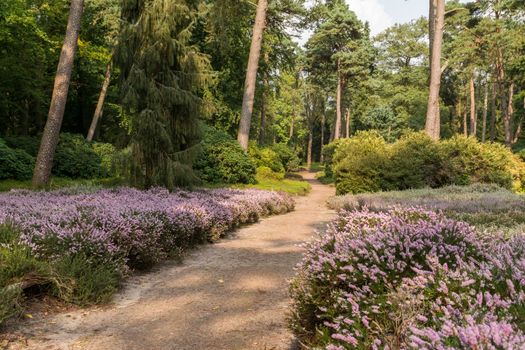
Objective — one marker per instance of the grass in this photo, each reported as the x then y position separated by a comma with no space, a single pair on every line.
295,187
488,207
58,183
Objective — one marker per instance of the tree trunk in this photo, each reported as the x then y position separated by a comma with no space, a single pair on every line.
465,127
507,116
100,104
431,27
493,113
347,126
243,135
292,123
485,112
337,128
473,114
321,158
44,160
262,130
432,125
309,154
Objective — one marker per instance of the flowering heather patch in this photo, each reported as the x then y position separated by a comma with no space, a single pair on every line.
128,226
409,279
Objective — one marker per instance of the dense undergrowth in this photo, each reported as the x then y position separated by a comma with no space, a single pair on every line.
409,278
77,245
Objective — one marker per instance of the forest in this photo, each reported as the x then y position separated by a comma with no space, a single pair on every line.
134,131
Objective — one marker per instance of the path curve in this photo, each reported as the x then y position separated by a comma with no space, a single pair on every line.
226,296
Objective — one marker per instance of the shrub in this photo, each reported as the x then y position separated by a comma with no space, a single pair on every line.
222,160
264,172
15,163
74,158
328,156
266,157
409,279
107,153
414,162
360,163
287,156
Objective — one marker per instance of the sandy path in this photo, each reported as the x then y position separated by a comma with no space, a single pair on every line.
229,295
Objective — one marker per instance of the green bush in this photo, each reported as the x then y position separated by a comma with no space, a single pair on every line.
263,172
85,281
74,158
266,157
287,156
467,161
328,157
222,160
360,163
15,163
107,153
366,163
414,163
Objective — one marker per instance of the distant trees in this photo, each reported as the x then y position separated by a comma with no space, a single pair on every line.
44,160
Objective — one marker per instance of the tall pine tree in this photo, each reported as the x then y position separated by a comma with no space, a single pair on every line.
163,75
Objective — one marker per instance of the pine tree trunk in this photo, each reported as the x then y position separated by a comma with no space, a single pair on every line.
493,113
309,153
100,104
44,160
465,127
337,129
243,135
321,158
262,127
485,112
347,126
432,125
473,116
507,117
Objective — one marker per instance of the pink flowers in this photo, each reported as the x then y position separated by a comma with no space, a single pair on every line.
130,226
413,280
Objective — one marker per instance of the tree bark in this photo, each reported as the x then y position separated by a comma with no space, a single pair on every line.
493,113
485,112
44,160
507,117
292,123
432,125
262,127
465,125
309,153
321,158
473,114
100,104
243,135
337,128
347,126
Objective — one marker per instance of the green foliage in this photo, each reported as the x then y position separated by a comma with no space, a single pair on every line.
366,163
266,157
107,153
414,163
163,78
85,281
265,173
15,163
222,160
328,156
287,156
360,163
76,159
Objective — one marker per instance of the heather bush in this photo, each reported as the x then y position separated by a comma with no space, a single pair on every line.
222,160
81,243
486,206
360,163
409,279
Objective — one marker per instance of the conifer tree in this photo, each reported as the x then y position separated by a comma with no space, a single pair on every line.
162,77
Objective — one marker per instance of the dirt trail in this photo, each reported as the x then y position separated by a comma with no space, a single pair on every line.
229,295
